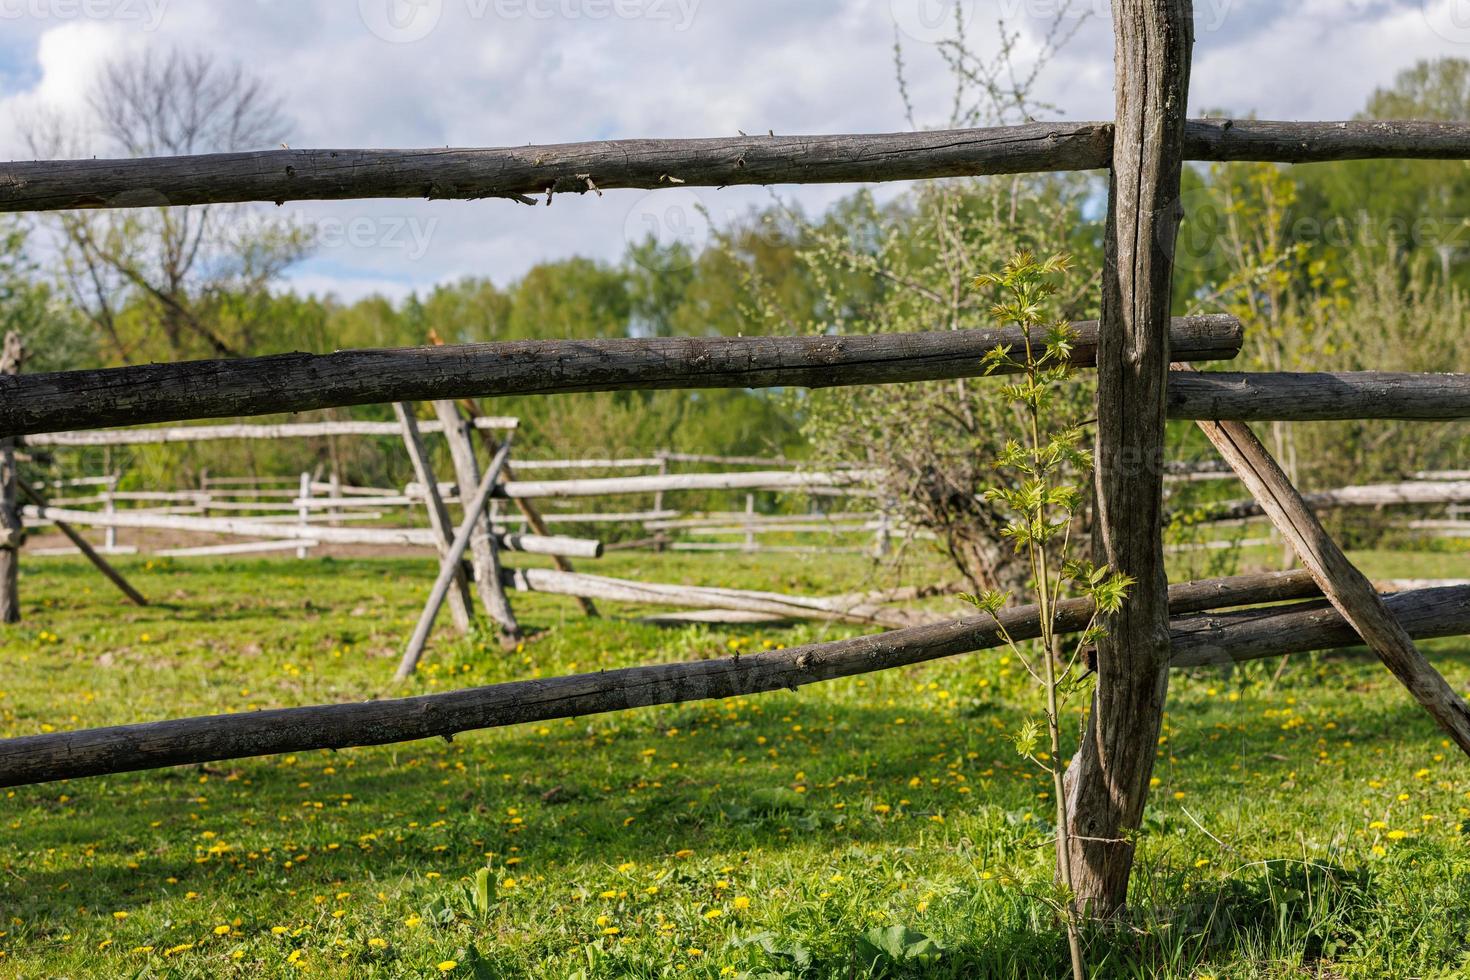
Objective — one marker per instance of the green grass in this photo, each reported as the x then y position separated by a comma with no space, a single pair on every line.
788,834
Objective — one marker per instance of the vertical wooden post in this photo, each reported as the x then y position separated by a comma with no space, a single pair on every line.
109,507
461,601
334,491
303,511
1108,779
484,553
750,522
661,537
12,533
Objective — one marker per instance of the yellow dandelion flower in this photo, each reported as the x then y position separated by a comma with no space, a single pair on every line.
444,966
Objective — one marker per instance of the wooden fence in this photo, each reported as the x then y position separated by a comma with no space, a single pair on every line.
1144,148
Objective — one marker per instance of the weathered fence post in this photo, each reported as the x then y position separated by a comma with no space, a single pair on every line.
484,554
12,533
1108,779
474,510
303,512
461,601
334,491
661,539
109,507
528,510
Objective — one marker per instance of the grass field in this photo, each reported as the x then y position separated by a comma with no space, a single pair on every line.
1305,824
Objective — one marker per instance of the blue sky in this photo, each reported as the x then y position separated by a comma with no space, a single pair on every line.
402,73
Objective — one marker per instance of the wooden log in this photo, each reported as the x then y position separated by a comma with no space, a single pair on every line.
1318,397
471,527
69,400
212,433
242,548
861,519
1270,141
1242,636
708,459
1108,780
405,536
523,172
1367,495
12,531
622,590
296,175
484,553
585,464
1348,589
85,547
757,480
192,741
774,549
594,517
461,599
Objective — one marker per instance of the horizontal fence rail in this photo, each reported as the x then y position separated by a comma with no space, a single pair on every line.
534,544
1197,640
67,400
285,430
1304,397
522,171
